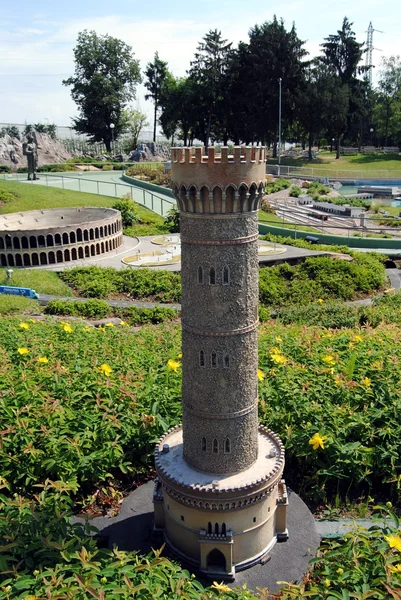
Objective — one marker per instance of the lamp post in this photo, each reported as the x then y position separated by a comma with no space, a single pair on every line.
112,137
279,126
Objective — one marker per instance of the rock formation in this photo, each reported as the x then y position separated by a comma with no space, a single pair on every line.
49,151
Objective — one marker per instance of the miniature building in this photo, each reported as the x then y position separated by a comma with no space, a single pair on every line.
219,496
344,210
45,237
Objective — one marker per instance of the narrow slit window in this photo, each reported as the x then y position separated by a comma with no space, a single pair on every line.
224,529
201,358
215,446
226,361
212,276
214,360
227,446
209,528
203,444
226,275
200,274
216,529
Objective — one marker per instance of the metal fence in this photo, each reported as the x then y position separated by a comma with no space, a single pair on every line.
321,172
155,202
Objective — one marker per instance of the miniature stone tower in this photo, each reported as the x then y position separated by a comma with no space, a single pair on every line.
219,496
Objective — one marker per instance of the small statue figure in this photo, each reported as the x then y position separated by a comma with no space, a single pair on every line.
30,150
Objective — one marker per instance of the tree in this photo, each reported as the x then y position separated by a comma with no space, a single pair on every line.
388,110
134,121
343,54
49,128
273,53
158,77
11,130
105,79
179,108
208,71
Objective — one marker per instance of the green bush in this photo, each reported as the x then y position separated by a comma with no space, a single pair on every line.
276,186
172,220
98,282
107,167
330,315
6,196
5,169
128,210
91,309
295,191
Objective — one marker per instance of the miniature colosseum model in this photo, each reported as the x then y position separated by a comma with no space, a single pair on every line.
219,495
46,237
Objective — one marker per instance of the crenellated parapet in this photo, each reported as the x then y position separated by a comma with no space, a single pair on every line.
218,183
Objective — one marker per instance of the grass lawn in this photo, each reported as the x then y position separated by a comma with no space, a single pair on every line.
33,197
357,162
43,282
18,305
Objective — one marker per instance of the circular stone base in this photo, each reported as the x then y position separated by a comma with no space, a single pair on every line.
131,530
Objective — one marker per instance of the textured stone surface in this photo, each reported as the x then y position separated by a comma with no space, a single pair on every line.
49,151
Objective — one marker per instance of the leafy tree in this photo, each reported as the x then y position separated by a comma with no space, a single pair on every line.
179,107
388,100
11,130
134,121
208,73
105,79
158,77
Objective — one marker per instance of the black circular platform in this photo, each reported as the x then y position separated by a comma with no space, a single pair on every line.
131,529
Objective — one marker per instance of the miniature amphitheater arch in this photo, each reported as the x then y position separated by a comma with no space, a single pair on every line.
216,561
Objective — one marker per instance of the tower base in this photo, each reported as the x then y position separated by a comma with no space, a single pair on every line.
221,523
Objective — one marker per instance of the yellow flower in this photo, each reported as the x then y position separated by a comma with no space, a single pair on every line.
366,382
395,568
327,583
340,571
106,369
22,351
329,359
179,355
320,300
173,365
31,598
43,360
358,338
220,587
109,325
394,541
88,328
123,323
24,325
278,358
67,328
261,375
278,340
317,441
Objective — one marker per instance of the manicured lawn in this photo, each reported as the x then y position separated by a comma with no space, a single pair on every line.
358,162
43,282
32,197
18,305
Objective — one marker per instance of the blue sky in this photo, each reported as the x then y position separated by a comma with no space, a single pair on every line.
37,38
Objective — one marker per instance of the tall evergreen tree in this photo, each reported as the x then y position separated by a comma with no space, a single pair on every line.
208,72
158,77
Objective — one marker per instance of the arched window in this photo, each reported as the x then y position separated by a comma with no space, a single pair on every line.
212,276
227,446
1,243
10,260
65,238
49,240
9,242
216,529
24,242
200,274
43,258
80,252
226,361
74,254
3,259
16,243
57,239
41,241
79,235
209,528
72,237
213,360
226,275
86,237
52,258
203,444
215,446
18,260
201,358
91,234
223,529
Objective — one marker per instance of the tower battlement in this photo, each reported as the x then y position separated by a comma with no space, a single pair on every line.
218,183
241,154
